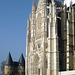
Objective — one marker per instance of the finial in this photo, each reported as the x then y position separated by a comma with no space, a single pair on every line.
71,3
33,6
33,2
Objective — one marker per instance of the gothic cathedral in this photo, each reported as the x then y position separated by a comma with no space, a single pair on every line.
50,44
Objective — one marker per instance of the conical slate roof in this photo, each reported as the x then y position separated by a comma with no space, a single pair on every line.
22,60
9,60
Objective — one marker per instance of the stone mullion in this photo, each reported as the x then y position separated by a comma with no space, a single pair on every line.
67,52
73,33
69,42
49,33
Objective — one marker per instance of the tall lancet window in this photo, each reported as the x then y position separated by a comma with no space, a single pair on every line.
47,26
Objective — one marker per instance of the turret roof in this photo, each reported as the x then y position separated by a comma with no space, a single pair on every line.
22,60
9,60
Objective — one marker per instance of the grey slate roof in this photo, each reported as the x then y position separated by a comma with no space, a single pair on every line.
50,0
58,3
15,64
9,60
22,61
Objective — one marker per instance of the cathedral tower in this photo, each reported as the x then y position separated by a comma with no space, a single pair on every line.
42,55
50,38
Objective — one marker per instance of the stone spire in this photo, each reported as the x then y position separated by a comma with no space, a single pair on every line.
9,60
22,60
33,6
33,2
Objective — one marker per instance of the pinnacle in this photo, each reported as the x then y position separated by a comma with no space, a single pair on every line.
33,2
71,3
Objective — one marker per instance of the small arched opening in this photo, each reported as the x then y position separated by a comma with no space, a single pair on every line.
36,65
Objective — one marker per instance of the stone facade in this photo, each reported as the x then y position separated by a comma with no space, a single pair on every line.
50,38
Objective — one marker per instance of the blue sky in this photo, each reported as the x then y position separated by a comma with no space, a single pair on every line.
13,24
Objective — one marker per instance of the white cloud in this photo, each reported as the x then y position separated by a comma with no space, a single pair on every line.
67,2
